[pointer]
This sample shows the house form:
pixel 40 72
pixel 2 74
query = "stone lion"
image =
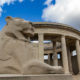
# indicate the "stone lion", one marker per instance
pixel 14 45
pixel 17 53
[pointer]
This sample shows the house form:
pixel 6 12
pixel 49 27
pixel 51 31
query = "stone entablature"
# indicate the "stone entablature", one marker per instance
pixel 57 29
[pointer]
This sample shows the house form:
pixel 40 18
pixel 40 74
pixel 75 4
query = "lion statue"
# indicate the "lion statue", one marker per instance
pixel 16 52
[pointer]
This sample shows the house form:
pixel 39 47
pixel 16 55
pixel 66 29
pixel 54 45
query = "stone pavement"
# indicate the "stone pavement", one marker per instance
pixel 76 77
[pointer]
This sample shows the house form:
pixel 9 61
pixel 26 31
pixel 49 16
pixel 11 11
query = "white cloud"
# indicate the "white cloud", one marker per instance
pixel 0 11
pixel 8 2
pixel 2 2
pixel 48 2
pixel 64 11
pixel 32 0
pixel 20 0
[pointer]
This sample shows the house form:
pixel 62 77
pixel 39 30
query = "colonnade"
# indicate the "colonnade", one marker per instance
pixel 65 57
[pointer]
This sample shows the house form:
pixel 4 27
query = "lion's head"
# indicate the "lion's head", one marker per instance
pixel 18 27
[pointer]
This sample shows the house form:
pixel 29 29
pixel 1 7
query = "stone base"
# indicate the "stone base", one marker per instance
pixel 37 77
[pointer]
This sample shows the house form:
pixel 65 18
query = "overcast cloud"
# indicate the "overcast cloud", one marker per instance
pixel 64 11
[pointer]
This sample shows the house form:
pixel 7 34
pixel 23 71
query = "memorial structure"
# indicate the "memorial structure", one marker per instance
pixel 21 58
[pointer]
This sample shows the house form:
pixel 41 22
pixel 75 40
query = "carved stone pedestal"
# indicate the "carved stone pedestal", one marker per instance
pixel 37 77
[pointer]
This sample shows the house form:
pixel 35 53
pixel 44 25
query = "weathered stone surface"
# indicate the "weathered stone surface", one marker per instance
pixel 38 67
pixel 14 56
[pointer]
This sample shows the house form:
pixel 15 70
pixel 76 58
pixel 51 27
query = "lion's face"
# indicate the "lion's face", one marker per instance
pixel 25 27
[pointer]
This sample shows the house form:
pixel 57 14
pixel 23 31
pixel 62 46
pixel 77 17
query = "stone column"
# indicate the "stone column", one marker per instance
pixel 55 58
pixel 78 53
pixel 41 47
pixel 49 58
pixel 69 61
pixel 64 55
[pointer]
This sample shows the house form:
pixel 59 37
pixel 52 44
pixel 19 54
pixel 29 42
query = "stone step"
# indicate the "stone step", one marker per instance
pixel 37 77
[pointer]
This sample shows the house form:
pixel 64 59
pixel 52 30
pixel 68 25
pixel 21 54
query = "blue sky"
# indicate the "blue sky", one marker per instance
pixel 60 11
pixel 28 10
